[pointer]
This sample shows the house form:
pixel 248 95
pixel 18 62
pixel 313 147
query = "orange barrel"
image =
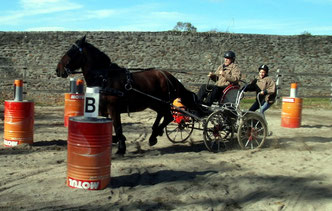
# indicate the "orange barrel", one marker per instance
pixel 291 112
pixel 89 152
pixel 18 123
pixel 74 106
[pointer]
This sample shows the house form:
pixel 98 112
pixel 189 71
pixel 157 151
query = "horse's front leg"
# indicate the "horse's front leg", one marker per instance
pixel 168 117
pixel 158 130
pixel 105 111
pixel 155 126
pixel 118 132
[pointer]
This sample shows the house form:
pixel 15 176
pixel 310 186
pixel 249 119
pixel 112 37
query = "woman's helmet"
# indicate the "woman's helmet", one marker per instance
pixel 229 55
pixel 264 67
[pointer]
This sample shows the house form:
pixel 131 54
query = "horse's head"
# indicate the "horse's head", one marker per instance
pixel 72 60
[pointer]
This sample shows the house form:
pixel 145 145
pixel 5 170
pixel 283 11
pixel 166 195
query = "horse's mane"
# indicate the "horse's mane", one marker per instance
pixel 99 57
pixel 101 60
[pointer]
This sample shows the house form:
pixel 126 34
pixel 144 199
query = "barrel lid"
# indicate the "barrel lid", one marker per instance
pixel 23 101
pixel 85 119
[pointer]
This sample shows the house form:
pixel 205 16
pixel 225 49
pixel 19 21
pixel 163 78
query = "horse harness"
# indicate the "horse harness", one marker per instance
pixel 129 87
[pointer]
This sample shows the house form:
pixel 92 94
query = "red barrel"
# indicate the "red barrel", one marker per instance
pixel 18 123
pixel 291 112
pixel 89 152
pixel 74 106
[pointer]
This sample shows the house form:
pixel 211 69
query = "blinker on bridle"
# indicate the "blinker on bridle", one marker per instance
pixel 68 71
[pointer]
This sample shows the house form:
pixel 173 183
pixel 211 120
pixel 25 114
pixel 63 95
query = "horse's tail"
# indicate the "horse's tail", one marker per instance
pixel 188 98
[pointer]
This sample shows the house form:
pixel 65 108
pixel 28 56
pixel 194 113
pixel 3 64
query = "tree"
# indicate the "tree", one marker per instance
pixel 184 26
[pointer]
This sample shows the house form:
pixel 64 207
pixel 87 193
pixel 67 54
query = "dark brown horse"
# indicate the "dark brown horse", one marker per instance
pixel 123 91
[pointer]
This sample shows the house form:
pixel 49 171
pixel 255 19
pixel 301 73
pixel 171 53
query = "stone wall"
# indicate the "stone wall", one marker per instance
pixel 190 56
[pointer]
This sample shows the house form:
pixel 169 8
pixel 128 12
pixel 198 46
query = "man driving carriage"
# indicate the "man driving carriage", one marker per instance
pixel 227 73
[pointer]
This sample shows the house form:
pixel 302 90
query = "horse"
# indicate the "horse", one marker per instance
pixel 123 91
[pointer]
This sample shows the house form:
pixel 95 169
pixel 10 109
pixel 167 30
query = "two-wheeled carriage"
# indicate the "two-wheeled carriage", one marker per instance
pixel 226 119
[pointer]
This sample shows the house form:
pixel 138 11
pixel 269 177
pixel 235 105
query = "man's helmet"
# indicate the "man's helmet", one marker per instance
pixel 229 55
pixel 264 67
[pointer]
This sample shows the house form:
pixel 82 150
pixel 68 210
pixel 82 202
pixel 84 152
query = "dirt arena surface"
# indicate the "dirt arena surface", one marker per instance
pixel 293 171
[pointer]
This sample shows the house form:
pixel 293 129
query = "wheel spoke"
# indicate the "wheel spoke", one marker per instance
pixel 175 135
pixel 252 144
pixel 212 143
pixel 173 130
pixel 260 130
pixel 257 141
pixel 248 141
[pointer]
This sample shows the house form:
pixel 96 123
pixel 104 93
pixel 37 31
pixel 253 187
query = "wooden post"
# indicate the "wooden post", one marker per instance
pixel 331 90
pixel 278 86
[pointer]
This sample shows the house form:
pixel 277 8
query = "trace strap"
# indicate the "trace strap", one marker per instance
pixel 129 87
pixel 153 97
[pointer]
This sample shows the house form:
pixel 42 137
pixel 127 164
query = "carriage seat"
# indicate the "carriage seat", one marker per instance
pixel 229 94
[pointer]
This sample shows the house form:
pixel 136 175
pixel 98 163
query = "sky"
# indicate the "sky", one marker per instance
pixel 275 17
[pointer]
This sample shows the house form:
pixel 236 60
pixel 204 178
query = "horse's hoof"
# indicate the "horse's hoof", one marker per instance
pixel 120 152
pixel 121 148
pixel 161 133
pixel 152 141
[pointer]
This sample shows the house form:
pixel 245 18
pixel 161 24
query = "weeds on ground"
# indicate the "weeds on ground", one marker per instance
pixel 313 103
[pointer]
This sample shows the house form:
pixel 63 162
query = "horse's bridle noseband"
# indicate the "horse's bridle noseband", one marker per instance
pixel 68 71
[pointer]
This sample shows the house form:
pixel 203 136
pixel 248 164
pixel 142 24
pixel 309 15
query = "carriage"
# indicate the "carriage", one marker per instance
pixel 225 122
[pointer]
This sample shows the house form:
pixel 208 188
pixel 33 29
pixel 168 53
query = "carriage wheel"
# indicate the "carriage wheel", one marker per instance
pixel 180 129
pixel 218 132
pixel 252 131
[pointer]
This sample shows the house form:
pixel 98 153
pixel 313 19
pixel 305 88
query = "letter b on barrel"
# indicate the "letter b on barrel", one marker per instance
pixel 91 102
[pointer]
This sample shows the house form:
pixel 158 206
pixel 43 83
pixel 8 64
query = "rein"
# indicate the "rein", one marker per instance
pixel 129 87
pixel 69 72
pixel 151 96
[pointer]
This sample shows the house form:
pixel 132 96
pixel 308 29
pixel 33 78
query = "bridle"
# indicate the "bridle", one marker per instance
pixel 68 71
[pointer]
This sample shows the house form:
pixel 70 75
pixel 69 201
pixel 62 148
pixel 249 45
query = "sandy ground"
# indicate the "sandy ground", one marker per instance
pixel 293 171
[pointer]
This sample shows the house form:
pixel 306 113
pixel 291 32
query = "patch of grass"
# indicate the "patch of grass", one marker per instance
pixel 317 103
pixel 322 103
pixel 246 103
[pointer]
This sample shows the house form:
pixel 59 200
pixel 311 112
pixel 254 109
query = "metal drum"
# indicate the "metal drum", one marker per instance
pixel 291 112
pixel 89 152
pixel 18 123
pixel 74 106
